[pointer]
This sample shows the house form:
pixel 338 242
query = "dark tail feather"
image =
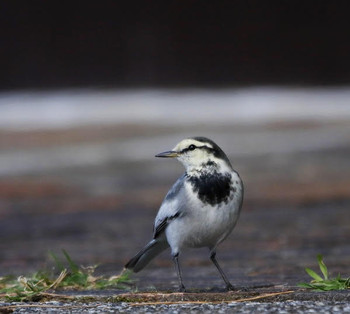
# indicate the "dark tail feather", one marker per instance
pixel 142 258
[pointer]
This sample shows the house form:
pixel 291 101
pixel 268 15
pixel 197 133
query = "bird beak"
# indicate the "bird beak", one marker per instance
pixel 168 154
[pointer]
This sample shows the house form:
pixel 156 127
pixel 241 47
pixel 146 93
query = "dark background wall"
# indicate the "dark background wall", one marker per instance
pixel 173 43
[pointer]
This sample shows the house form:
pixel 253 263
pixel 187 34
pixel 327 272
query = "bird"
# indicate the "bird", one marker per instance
pixel 200 210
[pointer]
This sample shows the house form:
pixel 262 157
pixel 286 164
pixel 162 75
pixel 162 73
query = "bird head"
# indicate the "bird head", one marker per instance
pixel 198 152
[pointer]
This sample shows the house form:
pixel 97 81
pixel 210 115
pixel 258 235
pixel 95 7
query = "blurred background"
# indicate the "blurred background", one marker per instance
pixel 90 92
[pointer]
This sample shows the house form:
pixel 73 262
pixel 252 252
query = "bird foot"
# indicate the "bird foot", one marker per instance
pixel 229 287
pixel 182 288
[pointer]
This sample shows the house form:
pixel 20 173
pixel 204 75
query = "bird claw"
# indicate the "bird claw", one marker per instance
pixel 229 287
pixel 182 288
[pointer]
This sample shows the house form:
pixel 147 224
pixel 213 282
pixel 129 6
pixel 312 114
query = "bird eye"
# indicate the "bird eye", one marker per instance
pixel 192 147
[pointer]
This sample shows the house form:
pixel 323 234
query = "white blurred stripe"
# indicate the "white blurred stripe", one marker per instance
pixel 70 108
pixel 142 149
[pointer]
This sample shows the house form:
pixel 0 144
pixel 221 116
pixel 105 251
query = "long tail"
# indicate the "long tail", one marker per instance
pixel 150 251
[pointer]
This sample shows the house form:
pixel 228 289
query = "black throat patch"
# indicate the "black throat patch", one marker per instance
pixel 212 187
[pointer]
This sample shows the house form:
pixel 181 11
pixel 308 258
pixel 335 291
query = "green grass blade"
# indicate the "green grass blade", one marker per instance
pixel 305 285
pixel 326 284
pixel 57 261
pixel 347 283
pixel 73 266
pixel 314 275
pixel 32 288
pixel 323 267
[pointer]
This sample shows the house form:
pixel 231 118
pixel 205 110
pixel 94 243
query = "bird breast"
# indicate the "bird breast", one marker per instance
pixel 214 204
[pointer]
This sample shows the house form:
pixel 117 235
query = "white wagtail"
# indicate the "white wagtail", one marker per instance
pixel 200 210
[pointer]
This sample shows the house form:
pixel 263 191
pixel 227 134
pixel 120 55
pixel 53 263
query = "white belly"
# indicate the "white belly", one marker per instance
pixel 204 225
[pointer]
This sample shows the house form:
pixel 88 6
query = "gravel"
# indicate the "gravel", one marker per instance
pixel 233 307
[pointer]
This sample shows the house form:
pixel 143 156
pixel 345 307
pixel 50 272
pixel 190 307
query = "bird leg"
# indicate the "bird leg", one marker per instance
pixel 177 267
pixel 215 262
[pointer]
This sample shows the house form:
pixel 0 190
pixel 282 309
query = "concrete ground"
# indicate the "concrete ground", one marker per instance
pixel 94 190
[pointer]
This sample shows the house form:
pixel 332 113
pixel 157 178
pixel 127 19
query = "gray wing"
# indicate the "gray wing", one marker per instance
pixel 172 207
